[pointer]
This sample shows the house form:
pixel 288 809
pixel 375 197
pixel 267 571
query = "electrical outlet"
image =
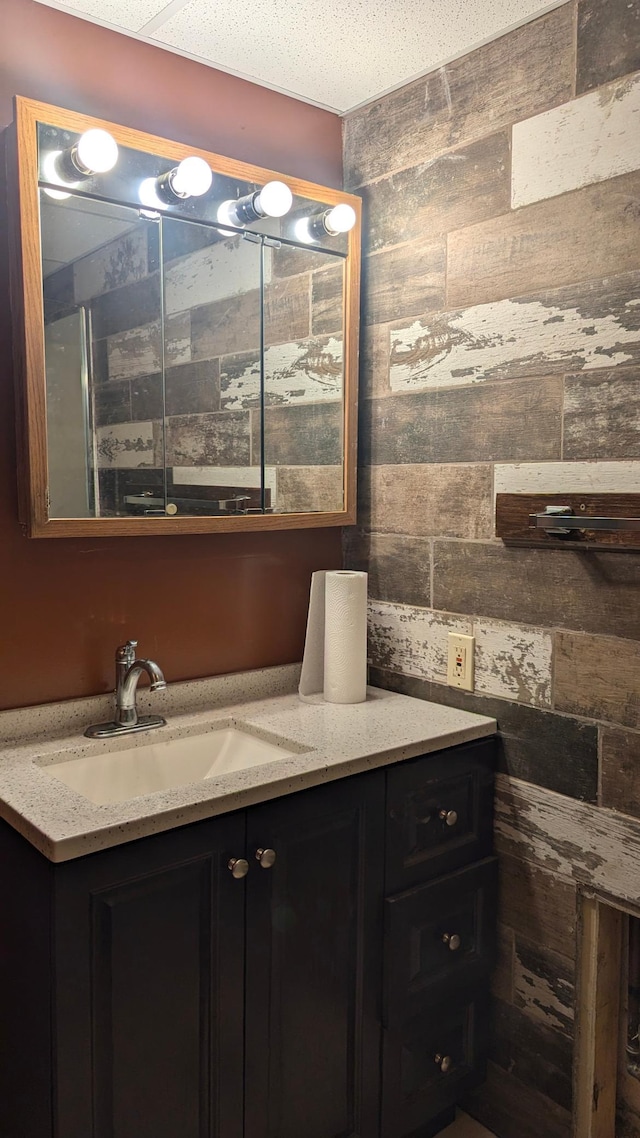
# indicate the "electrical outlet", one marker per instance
pixel 460 662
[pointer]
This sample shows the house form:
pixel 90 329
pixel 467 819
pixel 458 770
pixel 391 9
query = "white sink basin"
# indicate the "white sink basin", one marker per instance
pixel 117 776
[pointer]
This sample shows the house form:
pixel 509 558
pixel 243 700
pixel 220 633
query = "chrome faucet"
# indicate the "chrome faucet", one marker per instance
pixel 128 672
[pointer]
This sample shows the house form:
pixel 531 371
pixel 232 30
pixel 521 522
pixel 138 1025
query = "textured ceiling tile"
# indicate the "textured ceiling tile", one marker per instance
pixel 342 52
pixel 131 15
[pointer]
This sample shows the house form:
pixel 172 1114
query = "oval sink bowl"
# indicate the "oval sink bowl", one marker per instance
pixel 117 776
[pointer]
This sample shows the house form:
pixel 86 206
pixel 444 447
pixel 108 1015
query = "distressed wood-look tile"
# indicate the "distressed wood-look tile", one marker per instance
pixel 193 388
pixel 537 905
pixel 226 327
pixel 309 371
pixel 557 477
pixel 586 140
pixel 598 676
pixel 427 500
pixel 305 434
pixel 602 415
pixel 147 397
pixel 209 440
pixel 218 272
pixel 131 306
pixel 115 264
pixel 508 79
pixel 403 281
pixel 177 339
pixel 287 310
pixel 327 296
pixel 374 360
pixel 135 353
pixel 513 661
pixel 565 587
pixel 112 403
pixel 538 746
pixel 575 328
pixel 444 193
pixel 621 770
pixel 608 41
pixel 514 1110
pixel 398 566
pixel 544 985
pixel 126 444
pixel 516 420
pixel 589 233
pixel 412 640
pixel 536 1054
pixel 502 974
pixel 574 842
pixel 308 489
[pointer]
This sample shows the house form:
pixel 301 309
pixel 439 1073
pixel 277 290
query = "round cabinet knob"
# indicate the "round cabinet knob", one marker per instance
pixel 239 867
pixel 444 1062
pixel 452 940
pixel 266 857
pixel 448 816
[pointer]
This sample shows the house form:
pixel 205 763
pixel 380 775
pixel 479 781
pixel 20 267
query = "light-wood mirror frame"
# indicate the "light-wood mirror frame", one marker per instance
pixel 28 314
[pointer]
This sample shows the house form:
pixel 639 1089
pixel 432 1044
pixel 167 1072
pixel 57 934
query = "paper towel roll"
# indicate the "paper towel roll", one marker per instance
pixel 345 637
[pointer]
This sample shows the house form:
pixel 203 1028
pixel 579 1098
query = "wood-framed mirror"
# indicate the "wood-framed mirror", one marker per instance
pixel 187 354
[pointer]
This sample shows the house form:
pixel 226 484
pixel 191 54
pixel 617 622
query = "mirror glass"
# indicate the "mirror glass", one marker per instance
pixel 191 369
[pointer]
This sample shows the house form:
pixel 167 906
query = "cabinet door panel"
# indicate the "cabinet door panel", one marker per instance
pixel 149 989
pixel 313 964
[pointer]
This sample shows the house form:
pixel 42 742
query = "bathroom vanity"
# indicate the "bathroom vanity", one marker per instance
pixel 302 952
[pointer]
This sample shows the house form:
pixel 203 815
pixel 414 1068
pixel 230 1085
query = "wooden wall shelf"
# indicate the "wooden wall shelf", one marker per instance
pixel 513 522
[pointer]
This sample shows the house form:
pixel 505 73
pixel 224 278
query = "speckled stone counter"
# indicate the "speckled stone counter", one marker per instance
pixel 330 741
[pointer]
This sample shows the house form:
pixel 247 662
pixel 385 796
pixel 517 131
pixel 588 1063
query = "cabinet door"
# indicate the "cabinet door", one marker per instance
pixel 148 1010
pixel 314 934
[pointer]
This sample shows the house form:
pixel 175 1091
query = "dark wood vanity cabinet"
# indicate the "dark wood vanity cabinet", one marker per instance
pixel 336 992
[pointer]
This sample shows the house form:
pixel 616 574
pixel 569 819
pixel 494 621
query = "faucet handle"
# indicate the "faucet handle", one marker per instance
pixel 127 652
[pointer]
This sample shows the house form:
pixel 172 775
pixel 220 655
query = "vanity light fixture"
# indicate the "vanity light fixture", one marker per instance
pixel 339 219
pixel 273 200
pixel 190 179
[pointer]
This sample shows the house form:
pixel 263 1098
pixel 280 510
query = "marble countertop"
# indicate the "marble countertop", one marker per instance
pixel 332 741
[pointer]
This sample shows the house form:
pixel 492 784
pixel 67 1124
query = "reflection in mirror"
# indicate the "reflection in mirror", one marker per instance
pixel 304 379
pixel 102 307
pixel 212 306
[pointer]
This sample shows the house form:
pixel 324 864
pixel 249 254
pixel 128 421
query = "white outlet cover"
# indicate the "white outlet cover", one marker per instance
pixel 461 647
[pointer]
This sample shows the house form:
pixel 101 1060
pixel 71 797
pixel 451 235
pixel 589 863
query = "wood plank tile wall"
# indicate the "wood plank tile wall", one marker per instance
pixel 501 348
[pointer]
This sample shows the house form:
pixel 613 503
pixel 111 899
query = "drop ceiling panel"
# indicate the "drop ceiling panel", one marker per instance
pixel 338 54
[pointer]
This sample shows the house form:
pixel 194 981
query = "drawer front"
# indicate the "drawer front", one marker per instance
pixel 439 814
pixel 437 935
pixel 431 1062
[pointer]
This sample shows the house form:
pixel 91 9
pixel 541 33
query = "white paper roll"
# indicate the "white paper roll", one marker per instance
pixel 345 637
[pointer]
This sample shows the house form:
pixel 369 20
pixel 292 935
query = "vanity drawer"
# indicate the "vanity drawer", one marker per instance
pixel 431 1062
pixel 439 814
pixel 437 935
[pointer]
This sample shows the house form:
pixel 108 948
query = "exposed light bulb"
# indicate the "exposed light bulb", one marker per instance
pixel 340 219
pixel 302 231
pixel 226 216
pixel 274 200
pixel 49 169
pixel 96 152
pixel 148 194
pixel 192 178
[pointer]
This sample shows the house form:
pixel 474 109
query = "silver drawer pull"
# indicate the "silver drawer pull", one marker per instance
pixel 238 866
pixel 266 857
pixel 444 1062
pixel 452 940
pixel 450 817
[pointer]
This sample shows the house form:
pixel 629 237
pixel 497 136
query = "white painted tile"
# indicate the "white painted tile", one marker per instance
pixel 230 268
pixel 134 353
pixel 412 640
pixel 248 476
pixel 570 477
pixel 125 444
pixel 512 338
pixel 513 661
pixel 309 371
pixel 587 140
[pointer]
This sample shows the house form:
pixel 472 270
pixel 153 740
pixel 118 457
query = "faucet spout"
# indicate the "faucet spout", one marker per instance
pixel 128 672
pixel 127 695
